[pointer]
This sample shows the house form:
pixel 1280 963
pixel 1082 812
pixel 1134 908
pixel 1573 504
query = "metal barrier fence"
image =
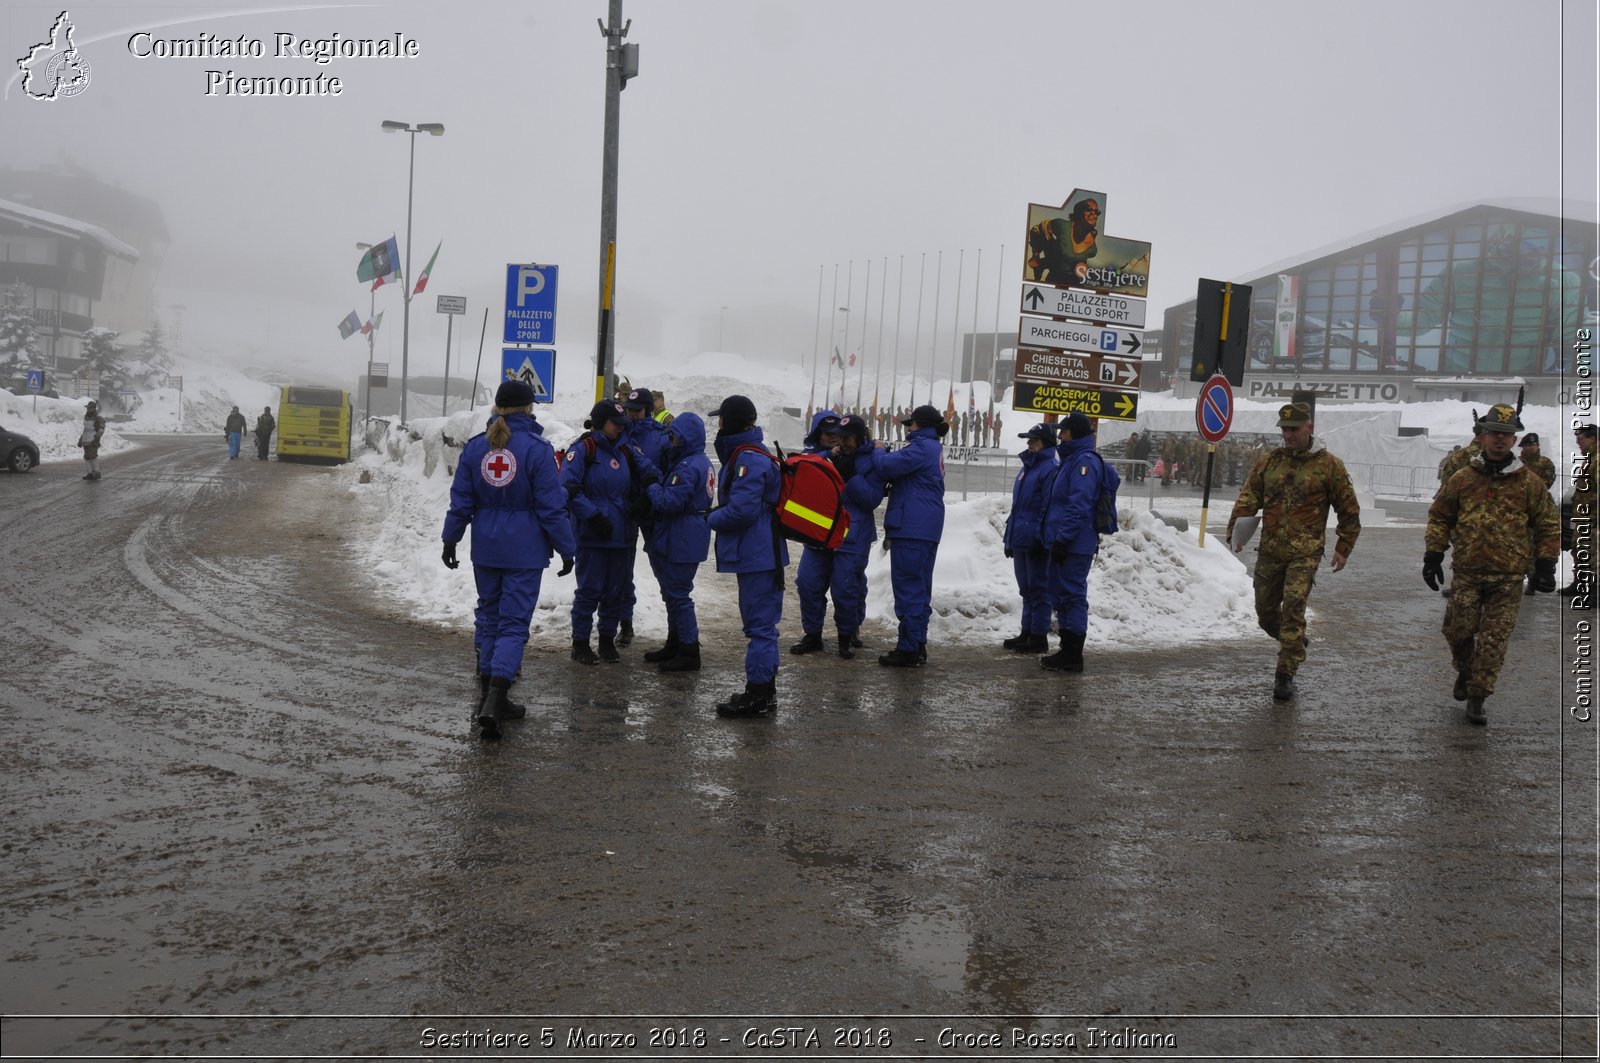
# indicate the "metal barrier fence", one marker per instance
pixel 983 470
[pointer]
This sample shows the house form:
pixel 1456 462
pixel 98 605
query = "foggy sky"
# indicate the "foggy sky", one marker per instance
pixel 765 139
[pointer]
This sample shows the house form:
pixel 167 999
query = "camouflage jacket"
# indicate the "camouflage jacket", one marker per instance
pixel 1294 491
pixel 1544 468
pixel 1455 461
pixel 1487 517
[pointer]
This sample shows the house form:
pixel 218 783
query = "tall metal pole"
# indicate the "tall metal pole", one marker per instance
pixel 405 283
pixel 449 323
pixel 614 29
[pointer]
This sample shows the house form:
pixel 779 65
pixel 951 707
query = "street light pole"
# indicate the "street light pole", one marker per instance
pixel 432 129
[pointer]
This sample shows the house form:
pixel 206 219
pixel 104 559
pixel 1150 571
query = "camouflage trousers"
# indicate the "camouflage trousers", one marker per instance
pixel 1477 625
pixel 1282 587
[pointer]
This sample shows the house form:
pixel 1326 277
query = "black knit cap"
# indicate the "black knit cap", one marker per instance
pixel 736 409
pixel 513 393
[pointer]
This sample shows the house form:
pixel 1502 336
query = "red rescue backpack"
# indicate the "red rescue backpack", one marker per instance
pixel 810 507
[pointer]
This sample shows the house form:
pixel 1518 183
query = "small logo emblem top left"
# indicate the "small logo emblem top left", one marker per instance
pixel 54 69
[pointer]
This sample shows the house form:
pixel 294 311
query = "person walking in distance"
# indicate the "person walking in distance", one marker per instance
pixel 1294 487
pixel 1030 557
pixel 94 430
pixel 233 431
pixel 749 546
pixel 265 424
pixel 678 538
pixel 1545 469
pixel 1493 514
pixel 913 524
pixel 508 490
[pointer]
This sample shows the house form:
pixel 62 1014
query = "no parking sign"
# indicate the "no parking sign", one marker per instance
pixel 1213 411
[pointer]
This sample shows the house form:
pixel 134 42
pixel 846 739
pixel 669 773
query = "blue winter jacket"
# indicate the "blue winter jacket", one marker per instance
pixel 863 491
pixel 914 475
pixel 747 490
pixel 680 502
pixel 651 439
pixel 812 445
pixel 1069 510
pixel 519 523
pixel 605 483
pixel 1029 495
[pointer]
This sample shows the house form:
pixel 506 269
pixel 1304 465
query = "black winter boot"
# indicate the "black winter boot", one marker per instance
pixel 809 644
pixel 846 650
pixel 1460 690
pixel 666 652
pixel 1069 658
pixel 687 659
pixel 624 635
pixel 758 699
pixel 512 710
pixel 493 709
pixel 1475 711
pixel 582 653
pixel 608 650
pixel 1037 644
pixel 1017 642
pixel 898 658
pixel 1282 686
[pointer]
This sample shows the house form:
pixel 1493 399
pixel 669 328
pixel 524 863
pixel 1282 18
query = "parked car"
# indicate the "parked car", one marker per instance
pixel 17 452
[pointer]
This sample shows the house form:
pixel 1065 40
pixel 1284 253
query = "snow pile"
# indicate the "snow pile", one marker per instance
pixel 55 427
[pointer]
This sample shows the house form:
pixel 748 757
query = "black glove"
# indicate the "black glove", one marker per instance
pixel 1009 554
pixel 1433 569
pixel 449 556
pixel 600 526
pixel 650 476
pixel 566 566
pixel 1058 551
pixel 639 508
pixel 1544 576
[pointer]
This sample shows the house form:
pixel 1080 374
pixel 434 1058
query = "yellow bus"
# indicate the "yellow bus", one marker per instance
pixel 314 425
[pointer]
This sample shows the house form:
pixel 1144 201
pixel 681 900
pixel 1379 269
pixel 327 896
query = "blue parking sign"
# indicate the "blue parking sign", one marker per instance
pixel 530 304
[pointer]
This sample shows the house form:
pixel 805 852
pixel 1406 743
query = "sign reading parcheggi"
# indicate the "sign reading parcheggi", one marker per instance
pixel 1038 396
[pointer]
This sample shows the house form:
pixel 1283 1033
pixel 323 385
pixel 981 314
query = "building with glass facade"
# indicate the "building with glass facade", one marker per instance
pixel 1469 303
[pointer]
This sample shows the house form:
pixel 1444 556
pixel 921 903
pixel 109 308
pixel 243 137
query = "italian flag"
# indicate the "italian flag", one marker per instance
pixel 422 281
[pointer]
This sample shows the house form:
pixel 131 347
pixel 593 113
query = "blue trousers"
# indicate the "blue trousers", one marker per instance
pixel 233 444
pixel 1033 583
pixel 1069 592
pixel 506 597
pixel 630 596
pixel 911 575
pixel 761 609
pixel 602 581
pixel 677 594
pixel 850 589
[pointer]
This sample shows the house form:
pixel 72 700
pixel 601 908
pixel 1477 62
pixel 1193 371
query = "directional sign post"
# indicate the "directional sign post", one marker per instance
pixel 1086 306
pixel 530 304
pixel 1045 396
pixel 1094 369
pixel 1213 416
pixel 535 368
pixel 1074 336
pixel 450 305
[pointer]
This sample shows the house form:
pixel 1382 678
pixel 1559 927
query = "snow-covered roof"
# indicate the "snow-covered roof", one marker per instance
pixel 67 226
pixel 1569 210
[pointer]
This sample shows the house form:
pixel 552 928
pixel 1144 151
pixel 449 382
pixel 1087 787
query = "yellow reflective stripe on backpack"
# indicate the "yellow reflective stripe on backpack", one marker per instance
pixel 811 515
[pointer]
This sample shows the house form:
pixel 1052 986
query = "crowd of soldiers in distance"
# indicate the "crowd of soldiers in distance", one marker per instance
pixel 1177 458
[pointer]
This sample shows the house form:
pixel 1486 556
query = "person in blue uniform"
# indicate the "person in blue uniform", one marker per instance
pixel 678 538
pixel 913 523
pixel 651 440
pixel 507 488
pixel 602 474
pixel 1068 532
pixel 856 459
pixel 750 546
pixel 814 574
pixel 1030 559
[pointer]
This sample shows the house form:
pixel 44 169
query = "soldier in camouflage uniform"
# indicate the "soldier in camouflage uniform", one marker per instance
pixel 1294 487
pixel 1545 469
pixel 1454 462
pixel 1489 513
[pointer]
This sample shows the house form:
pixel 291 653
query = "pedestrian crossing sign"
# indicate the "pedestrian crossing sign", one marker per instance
pixel 535 367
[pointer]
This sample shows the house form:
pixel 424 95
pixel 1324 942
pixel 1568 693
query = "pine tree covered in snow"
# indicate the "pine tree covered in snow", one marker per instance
pixel 103 359
pixel 153 348
pixel 19 338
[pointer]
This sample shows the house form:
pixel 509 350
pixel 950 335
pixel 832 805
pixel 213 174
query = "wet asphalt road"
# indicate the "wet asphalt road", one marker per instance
pixel 236 785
